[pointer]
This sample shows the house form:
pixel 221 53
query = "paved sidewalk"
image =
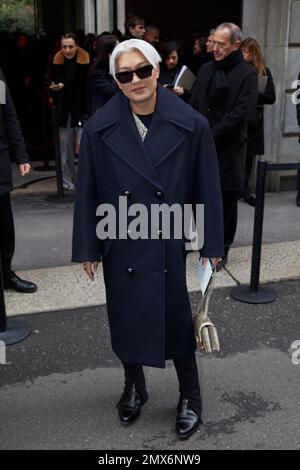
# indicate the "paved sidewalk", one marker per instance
pixel 61 386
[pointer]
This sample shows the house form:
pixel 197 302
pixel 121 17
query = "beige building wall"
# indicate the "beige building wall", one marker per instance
pixel 276 25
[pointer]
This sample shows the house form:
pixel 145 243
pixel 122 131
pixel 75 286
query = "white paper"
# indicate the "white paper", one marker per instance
pixel 185 79
pixel 183 69
pixel 204 275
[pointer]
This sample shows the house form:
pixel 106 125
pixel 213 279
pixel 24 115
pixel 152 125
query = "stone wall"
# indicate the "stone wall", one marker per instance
pixel 276 25
pixel 104 20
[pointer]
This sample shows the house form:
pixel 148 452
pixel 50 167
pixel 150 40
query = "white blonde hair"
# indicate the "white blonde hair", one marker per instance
pixel 148 51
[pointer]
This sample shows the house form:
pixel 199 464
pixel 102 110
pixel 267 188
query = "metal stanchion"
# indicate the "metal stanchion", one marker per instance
pixel 46 166
pixel 60 197
pixel 257 294
pixel 12 331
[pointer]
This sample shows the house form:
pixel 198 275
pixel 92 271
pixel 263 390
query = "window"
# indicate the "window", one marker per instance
pixel 17 15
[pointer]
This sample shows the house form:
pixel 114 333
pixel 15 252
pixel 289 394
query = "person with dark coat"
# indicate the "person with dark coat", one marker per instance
pixel 68 84
pixel 12 147
pixel 256 139
pixel 101 85
pixel 200 56
pixel 135 27
pixel 172 62
pixel 145 147
pixel 226 92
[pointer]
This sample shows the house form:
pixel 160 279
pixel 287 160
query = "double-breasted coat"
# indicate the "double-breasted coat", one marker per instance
pixel 229 118
pixel 147 298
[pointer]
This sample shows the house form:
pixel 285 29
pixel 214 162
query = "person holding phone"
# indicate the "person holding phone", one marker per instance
pixel 68 83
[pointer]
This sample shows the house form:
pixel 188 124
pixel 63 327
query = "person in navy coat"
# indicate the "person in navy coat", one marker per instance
pixel 148 147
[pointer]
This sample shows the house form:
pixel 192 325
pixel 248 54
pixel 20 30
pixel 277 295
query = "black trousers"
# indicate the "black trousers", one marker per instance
pixel 187 373
pixel 230 215
pixel 7 234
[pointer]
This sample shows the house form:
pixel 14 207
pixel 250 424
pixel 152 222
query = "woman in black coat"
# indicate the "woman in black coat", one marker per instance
pixel 68 82
pixel 256 141
pixel 101 84
pixel 171 67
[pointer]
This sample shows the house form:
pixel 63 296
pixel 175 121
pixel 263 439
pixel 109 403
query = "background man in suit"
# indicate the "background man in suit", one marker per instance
pixel 226 92
pixel 11 146
pixel 152 148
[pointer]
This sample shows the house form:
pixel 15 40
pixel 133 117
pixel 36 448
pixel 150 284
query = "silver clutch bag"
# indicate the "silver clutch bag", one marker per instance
pixel 205 331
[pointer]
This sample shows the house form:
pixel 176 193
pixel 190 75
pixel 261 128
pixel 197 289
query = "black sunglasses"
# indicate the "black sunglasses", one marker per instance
pixel 142 72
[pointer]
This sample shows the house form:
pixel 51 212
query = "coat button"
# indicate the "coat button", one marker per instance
pixel 160 234
pixel 128 194
pixel 166 272
pixel 208 109
pixel 130 272
pixel 159 195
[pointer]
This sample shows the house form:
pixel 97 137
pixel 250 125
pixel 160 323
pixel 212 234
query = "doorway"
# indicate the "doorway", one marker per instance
pixel 179 20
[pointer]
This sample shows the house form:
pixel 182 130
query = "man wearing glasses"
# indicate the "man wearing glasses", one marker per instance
pixel 149 148
pixel 226 93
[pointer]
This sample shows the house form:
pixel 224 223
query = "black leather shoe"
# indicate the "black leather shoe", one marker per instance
pixel 130 406
pixel 19 285
pixel 187 421
pixel 251 200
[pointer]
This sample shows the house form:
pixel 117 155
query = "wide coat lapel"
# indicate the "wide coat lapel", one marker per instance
pixel 168 130
pixel 166 134
pixel 120 134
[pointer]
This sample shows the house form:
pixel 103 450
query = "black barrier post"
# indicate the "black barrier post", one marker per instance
pixel 46 166
pixel 257 294
pixel 60 197
pixel 12 331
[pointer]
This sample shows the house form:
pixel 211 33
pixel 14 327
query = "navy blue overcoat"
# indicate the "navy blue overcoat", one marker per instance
pixel 147 299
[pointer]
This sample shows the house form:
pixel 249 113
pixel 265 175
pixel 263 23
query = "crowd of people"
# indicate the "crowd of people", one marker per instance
pixel 126 94
pixel 52 69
